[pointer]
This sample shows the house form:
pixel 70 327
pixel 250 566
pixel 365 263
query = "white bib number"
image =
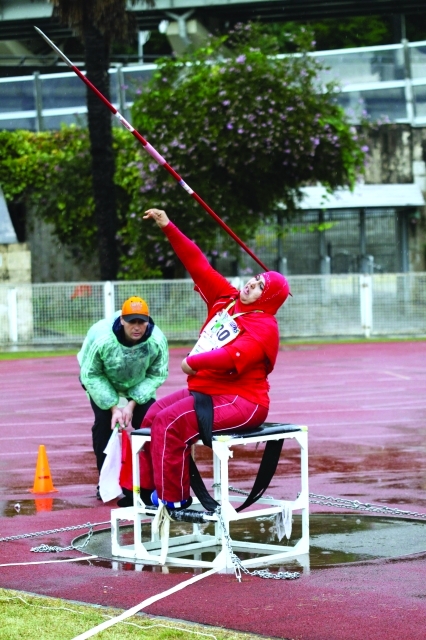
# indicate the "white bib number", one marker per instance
pixel 221 330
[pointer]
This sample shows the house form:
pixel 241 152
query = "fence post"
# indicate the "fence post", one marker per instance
pixel 121 89
pixel 38 98
pixel 325 266
pixel 109 299
pixel 366 303
pixel 409 93
pixel 282 266
pixel 12 314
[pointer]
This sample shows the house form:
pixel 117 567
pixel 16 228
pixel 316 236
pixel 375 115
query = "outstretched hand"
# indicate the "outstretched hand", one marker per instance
pixel 158 215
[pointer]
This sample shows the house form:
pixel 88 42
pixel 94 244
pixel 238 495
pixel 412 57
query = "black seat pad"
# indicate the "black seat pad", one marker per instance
pixel 266 429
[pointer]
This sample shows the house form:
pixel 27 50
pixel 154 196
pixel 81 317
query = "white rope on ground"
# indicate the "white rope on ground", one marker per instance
pixel 24 564
pixel 143 604
pixel 128 624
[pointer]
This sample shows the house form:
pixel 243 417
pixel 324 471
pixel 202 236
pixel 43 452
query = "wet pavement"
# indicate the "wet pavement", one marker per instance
pixel 365 405
pixel 334 540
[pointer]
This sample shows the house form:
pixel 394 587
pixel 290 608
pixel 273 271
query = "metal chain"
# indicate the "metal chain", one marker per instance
pixel 43 548
pixel 345 503
pixel 239 567
pixel 242 492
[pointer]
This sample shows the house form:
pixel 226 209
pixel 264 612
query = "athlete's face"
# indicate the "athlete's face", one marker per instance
pixel 134 330
pixel 252 290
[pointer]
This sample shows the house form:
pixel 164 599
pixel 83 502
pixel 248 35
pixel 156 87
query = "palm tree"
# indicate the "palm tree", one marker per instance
pixel 99 23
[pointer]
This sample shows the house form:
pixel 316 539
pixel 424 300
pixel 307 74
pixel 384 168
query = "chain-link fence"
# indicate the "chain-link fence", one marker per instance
pixel 330 306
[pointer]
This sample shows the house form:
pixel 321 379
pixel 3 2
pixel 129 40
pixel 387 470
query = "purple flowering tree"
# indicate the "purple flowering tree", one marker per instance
pixel 245 128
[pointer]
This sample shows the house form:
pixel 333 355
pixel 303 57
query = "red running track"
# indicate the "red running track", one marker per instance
pixel 365 405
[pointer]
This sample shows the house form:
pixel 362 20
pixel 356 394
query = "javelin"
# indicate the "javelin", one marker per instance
pixel 150 149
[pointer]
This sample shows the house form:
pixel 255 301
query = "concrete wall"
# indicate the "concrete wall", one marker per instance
pixel 16 313
pixel 398 155
pixel 51 261
pixel 16 303
pixel 391 155
pixel 15 263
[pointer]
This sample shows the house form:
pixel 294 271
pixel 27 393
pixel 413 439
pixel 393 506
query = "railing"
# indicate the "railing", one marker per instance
pixel 331 306
pixel 44 101
pixel 386 82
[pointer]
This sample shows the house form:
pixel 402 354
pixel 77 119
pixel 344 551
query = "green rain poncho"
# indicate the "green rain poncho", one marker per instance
pixel 108 369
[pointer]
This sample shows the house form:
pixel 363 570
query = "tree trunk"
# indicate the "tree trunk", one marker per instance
pixel 103 165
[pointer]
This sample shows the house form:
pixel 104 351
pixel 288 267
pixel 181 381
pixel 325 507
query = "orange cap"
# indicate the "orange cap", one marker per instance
pixel 135 309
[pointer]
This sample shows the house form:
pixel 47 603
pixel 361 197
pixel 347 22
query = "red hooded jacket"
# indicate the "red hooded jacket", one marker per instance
pixel 252 355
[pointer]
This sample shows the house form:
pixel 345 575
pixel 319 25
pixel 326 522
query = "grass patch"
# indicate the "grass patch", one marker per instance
pixel 40 618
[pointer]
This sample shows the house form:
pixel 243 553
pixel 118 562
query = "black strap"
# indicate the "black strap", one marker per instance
pixel 267 468
pixel 199 488
pixel 203 405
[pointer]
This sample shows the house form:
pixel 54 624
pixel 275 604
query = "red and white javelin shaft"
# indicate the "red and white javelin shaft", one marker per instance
pixel 150 149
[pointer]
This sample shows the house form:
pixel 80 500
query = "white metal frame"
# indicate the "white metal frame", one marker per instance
pixel 195 543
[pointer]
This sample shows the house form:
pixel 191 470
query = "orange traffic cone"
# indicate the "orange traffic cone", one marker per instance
pixel 42 479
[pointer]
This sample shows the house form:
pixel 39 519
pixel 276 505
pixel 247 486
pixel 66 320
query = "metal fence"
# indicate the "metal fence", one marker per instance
pixel 331 306
pixel 384 82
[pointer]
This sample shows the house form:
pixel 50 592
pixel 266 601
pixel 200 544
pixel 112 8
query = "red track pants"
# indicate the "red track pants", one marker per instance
pixel 173 422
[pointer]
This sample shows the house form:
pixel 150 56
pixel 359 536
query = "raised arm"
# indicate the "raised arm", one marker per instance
pixel 187 251
pixel 210 283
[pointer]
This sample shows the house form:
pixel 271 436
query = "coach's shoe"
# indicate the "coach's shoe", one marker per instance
pixel 127 500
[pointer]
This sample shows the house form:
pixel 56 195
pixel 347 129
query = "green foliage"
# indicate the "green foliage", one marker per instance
pixel 357 31
pixel 52 171
pixel 243 127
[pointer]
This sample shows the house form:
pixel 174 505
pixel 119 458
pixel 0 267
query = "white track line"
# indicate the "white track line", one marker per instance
pixel 56 436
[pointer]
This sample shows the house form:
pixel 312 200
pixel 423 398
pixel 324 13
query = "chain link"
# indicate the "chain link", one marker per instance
pixel 244 493
pixel 345 503
pixel 44 548
pixel 238 565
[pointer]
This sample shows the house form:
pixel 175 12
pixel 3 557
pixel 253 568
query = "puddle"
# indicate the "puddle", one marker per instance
pixel 334 540
pixel 10 509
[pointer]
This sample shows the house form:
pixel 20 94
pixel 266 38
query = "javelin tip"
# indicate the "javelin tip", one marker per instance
pixel 54 47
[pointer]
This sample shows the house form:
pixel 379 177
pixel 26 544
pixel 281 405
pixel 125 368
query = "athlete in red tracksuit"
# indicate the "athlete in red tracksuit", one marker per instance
pixel 234 375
